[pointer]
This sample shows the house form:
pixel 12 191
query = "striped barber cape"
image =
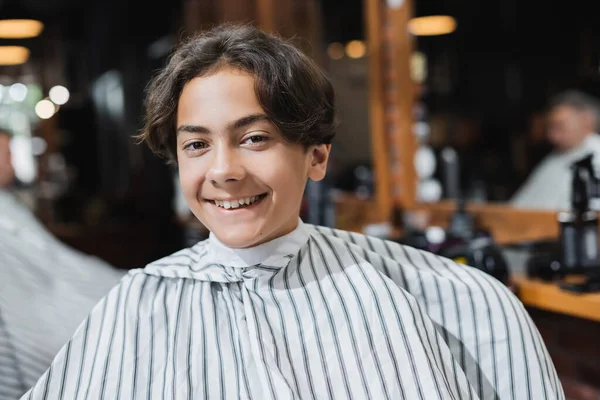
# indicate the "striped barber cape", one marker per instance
pixel 316 314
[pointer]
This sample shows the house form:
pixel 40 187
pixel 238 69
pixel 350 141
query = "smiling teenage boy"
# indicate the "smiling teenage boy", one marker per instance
pixel 269 307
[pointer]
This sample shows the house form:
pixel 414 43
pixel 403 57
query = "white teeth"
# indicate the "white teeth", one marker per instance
pixel 236 203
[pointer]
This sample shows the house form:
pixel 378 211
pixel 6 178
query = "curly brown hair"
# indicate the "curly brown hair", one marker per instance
pixel 294 92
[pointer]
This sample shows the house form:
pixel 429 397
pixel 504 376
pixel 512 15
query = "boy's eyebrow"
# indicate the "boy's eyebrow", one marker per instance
pixel 233 125
pixel 247 120
pixel 192 129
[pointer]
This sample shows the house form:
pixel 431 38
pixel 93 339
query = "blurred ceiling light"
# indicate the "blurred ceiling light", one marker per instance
pixel 45 109
pixel 335 51
pixel 356 49
pixel 17 92
pixel 20 28
pixel 13 55
pixel 59 95
pixel 432 25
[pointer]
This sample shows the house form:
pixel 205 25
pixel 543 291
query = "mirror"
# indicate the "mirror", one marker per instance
pixel 484 100
pixel 480 93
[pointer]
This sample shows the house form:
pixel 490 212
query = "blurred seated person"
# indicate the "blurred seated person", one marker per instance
pixel 572 126
pixel 46 289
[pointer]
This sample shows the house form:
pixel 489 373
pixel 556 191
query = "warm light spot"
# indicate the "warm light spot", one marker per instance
pixel 20 28
pixel 335 51
pixel 13 55
pixel 432 25
pixel 356 49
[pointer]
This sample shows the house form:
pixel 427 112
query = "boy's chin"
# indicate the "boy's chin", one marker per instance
pixel 242 234
pixel 238 237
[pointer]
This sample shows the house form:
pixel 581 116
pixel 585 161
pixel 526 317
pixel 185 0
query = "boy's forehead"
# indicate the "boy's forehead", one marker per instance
pixel 226 84
pixel 226 73
pixel 224 95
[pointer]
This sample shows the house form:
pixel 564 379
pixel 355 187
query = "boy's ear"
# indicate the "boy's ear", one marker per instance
pixel 319 155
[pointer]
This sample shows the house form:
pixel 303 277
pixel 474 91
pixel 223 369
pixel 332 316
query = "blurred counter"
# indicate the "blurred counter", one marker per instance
pixel 549 297
pixel 569 324
pixel 507 224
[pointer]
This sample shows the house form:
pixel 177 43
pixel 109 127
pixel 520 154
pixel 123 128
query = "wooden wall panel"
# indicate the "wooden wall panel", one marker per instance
pixel 289 18
pixel 391 97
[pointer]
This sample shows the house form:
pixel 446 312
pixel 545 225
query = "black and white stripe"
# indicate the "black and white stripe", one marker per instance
pixel 327 315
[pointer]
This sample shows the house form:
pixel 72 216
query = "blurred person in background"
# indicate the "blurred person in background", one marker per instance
pixel 46 288
pixel 572 130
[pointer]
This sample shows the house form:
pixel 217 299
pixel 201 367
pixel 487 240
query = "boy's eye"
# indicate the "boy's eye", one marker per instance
pixel 256 139
pixel 195 146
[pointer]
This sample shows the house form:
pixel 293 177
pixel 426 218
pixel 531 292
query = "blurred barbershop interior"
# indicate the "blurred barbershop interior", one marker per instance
pixel 466 128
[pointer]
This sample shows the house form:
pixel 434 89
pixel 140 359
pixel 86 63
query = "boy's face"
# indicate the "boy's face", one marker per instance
pixel 239 177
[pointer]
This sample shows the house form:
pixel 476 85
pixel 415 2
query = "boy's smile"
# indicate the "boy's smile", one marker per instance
pixel 238 203
pixel 241 179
